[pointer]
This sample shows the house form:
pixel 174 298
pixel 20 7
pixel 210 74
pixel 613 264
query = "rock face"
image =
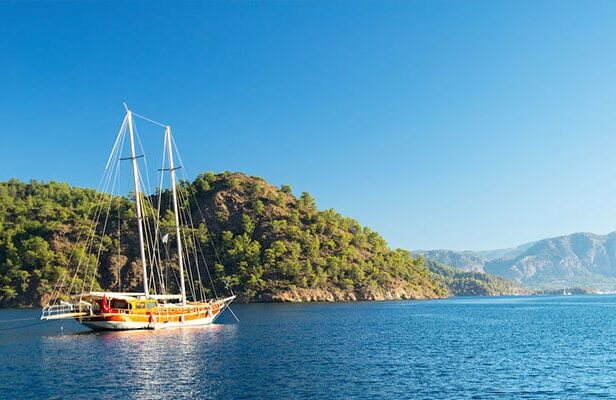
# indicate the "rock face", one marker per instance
pixel 577 260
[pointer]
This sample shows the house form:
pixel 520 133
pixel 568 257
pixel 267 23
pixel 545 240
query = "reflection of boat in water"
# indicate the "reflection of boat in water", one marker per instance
pixel 156 307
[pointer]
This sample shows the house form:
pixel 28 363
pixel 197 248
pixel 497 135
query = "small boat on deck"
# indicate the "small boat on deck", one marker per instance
pixel 156 307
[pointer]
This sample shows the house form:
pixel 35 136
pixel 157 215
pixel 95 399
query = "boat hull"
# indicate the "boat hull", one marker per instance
pixel 161 318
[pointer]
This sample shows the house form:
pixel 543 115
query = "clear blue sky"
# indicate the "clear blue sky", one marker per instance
pixel 456 124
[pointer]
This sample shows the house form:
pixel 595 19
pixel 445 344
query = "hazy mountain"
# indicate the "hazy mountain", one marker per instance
pixel 580 259
pixel 469 261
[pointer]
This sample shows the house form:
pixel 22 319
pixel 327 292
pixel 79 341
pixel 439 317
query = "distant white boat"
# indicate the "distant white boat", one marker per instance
pixel 566 292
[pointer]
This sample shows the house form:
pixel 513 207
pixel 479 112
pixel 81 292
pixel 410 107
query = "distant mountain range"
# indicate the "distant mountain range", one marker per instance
pixel 577 260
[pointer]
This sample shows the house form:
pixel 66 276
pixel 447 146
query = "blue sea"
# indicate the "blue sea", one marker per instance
pixel 536 347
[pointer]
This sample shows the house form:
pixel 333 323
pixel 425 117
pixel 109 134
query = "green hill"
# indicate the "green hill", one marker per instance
pixel 264 243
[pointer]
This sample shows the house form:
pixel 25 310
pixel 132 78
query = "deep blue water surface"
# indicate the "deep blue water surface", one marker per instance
pixel 475 348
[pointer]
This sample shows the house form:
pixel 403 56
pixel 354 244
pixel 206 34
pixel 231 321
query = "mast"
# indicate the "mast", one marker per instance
pixel 176 211
pixel 133 157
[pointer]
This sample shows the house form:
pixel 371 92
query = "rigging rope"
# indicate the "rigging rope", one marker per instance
pixel 149 120
pixel 103 187
pixel 209 236
pixel 88 257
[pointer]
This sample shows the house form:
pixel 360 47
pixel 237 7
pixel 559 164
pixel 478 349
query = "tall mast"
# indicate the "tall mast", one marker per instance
pixel 133 157
pixel 176 211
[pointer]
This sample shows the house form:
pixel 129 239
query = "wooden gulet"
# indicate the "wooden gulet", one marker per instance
pixel 100 310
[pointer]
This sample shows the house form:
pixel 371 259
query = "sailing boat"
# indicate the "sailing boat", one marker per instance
pixel 155 307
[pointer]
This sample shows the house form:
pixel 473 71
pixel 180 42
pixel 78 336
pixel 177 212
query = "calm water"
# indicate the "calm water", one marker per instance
pixel 482 348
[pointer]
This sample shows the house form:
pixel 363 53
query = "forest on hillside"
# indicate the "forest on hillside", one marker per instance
pixel 259 240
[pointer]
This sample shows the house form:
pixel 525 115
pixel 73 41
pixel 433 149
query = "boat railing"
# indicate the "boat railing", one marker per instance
pixel 63 310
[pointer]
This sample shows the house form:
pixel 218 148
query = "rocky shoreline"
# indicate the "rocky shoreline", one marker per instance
pixel 303 295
